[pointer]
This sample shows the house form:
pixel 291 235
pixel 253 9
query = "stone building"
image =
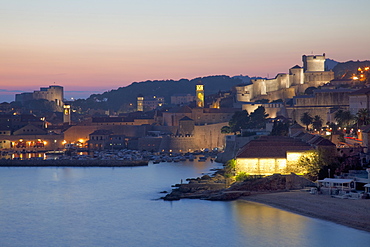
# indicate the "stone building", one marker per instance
pixel 180 139
pixel 284 86
pixel 269 155
pixel 324 103
pixel 277 154
pixel 359 99
pixel 106 139
pixel 180 99
pixel 52 93
pixel 201 116
pixel 148 103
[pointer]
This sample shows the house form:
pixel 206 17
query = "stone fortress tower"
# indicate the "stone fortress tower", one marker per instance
pixel 52 93
pixel 313 63
pixel 287 85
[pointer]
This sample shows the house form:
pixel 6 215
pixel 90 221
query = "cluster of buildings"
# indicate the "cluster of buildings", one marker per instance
pixel 192 123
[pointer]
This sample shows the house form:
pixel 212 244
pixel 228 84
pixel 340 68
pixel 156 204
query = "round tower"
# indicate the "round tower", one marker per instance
pixel 313 63
pixel 297 75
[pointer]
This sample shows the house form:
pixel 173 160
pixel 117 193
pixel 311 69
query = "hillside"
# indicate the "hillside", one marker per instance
pixel 347 69
pixel 118 98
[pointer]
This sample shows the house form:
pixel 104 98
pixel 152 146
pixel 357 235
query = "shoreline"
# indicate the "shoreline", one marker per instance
pixel 347 212
pixel 71 163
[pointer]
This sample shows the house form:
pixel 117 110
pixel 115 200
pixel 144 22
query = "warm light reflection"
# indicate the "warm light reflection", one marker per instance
pixel 275 223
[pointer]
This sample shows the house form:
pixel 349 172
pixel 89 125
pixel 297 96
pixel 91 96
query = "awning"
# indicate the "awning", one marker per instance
pixel 336 180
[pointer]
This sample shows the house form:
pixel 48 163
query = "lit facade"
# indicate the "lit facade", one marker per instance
pixel 200 95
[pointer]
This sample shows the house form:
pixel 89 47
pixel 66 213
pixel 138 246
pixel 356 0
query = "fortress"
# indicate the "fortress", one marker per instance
pixel 52 93
pixel 287 85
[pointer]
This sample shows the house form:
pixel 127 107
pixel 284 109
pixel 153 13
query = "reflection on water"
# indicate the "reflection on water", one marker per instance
pixel 274 224
pixel 278 227
pixel 22 155
pixel 114 207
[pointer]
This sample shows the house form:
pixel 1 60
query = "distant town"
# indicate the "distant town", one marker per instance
pixel 263 125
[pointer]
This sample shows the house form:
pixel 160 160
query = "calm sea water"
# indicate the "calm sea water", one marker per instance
pixel 118 207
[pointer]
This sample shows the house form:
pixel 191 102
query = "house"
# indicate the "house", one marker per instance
pixel 271 154
pixel 102 138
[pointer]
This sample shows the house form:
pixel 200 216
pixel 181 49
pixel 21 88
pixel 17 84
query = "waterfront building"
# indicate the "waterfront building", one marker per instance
pixel 270 154
pixel 106 139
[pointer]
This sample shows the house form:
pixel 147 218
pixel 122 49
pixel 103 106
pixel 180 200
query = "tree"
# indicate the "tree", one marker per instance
pixel 306 119
pixel 239 121
pixel 258 118
pixel 362 117
pixel 314 161
pixel 344 118
pixel 317 122
pixel 280 129
pixel 225 130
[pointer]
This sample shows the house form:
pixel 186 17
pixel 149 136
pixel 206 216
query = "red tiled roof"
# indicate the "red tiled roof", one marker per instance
pixel 272 147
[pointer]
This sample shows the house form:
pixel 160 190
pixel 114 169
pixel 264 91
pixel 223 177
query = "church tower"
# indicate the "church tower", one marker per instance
pixel 140 102
pixel 67 114
pixel 200 95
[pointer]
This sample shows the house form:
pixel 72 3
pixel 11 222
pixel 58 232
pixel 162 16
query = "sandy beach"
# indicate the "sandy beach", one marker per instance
pixel 352 213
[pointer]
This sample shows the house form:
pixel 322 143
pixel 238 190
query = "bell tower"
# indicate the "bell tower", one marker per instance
pixel 140 102
pixel 67 114
pixel 200 95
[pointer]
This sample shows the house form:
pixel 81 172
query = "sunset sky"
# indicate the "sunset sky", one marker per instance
pixel 91 46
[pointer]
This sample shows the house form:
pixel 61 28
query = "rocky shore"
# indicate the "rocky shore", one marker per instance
pixel 215 187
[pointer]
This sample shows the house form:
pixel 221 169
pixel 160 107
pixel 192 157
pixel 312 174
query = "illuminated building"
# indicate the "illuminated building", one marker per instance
pixel 270 154
pixel 287 85
pixel 200 95
pixel 51 93
pixel 277 154
pixel 148 103
pixel 140 104
pixel 67 114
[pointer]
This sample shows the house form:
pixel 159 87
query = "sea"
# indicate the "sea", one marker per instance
pixel 93 206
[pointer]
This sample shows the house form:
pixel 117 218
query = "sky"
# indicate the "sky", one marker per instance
pixel 92 46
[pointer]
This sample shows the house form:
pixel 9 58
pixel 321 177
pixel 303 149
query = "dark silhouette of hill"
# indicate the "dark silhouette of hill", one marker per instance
pixel 347 69
pixel 330 64
pixel 117 98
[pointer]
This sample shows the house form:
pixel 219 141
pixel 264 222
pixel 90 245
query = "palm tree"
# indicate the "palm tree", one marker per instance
pixel 344 118
pixel 362 117
pixel 306 119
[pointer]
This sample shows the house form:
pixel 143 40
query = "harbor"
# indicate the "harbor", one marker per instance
pixel 106 158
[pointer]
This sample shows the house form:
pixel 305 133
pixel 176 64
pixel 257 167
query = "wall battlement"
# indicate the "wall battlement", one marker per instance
pixel 312 74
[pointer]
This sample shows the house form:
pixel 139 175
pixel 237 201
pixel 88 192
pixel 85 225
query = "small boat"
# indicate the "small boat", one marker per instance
pixel 203 158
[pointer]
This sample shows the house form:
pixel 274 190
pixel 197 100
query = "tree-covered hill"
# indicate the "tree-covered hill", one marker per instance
pixel 118 98
pixel 347 69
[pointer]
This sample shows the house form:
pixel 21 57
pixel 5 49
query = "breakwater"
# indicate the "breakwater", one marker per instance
pixel 72 163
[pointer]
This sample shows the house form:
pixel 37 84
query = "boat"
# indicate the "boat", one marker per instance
pixel 202 158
